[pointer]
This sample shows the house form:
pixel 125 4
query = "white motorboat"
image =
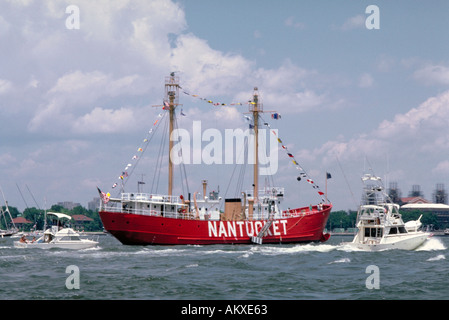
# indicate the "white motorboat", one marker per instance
pixel 380 225
pixel 57 237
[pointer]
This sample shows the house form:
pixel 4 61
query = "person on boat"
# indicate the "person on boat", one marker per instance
pixel 34 240
pixel 23 239
pixel 48 238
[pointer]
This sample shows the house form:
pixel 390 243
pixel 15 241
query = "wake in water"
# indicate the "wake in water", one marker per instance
pixel 343 260
pixel 437 258
pixel 432 244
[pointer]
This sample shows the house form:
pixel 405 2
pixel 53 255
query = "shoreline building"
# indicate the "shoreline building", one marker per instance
pixel 441 210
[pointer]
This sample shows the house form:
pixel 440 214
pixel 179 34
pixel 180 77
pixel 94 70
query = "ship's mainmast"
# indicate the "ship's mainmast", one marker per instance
pixel 255 107
pixel 171 96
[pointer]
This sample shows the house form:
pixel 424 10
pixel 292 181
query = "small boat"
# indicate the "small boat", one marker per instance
pixel 57 237
pixel 380 225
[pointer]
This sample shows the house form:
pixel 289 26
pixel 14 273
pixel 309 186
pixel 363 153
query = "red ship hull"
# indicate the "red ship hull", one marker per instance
pixel 135 229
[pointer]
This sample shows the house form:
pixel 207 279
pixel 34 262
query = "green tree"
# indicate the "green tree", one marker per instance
pixel 428 218
pixel 36 216
pixel 341 219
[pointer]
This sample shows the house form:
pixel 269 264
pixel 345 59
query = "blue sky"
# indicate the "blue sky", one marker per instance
pixel 75 104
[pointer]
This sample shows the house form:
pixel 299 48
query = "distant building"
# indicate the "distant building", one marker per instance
pixel 414 200
pixel 94 204
pixel 79 220
pixel 20 222
pixel 69 205
pixel 441 210
pixel 440 195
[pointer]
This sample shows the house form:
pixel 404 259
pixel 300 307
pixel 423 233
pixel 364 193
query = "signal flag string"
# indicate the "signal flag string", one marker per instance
pixel 302 172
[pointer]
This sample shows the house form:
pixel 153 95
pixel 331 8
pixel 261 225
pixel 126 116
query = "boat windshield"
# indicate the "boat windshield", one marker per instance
pixel 396 230
pixel 373 232
pixel 69 238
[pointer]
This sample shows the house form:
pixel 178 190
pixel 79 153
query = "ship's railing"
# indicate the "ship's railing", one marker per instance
pixel 182 214
pixel 149 197
pixel 145 212
pixel 271 193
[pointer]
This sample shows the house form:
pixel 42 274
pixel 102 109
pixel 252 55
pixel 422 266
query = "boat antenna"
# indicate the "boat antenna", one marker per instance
pixel 45 214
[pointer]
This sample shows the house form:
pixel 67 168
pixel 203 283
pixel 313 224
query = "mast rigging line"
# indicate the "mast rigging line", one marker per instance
pixel 141 150
pixel 303 173
pixel 157 170
pixel 182 167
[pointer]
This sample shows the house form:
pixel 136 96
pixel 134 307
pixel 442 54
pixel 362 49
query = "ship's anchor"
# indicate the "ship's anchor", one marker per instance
pixel 263 232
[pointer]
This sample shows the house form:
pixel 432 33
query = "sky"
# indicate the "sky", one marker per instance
pixel 76 100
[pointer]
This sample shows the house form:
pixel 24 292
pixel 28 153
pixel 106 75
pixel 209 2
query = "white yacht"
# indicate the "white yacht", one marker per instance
pixel 57 237
pixel 380 225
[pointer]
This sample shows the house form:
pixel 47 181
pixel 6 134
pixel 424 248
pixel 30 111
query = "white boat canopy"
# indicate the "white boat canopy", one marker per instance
pixel 60 215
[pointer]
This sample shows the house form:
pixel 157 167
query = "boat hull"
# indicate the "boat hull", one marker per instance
pixel 404 242
pixel 135 229
pixel 85 244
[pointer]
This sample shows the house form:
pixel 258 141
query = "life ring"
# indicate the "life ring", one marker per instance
pixel 153 212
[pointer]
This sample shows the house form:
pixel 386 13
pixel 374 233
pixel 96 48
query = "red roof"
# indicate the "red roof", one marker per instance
pixel 81 217
pixel 21 220
pixel 414 200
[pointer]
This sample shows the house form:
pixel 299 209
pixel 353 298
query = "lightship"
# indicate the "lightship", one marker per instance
pixel 255 217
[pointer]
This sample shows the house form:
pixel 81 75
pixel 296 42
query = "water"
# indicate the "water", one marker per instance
pixel 326 271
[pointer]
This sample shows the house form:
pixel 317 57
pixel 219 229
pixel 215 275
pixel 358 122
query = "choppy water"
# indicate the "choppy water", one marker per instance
pixel 237 272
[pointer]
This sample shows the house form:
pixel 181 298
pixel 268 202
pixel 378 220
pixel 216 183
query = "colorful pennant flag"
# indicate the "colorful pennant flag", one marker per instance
pixel 302 173
pixel 141 149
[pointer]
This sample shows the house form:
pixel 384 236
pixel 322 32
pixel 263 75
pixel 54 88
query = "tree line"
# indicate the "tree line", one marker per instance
pixel 345 220
pixel 37 217
pixel 337 219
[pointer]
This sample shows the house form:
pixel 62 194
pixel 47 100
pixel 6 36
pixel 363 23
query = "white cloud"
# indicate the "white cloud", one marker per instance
pixel 366 81
pixel 74 94
pixel 88 86
pixel 355 22
pixel 205 69
pixel 290 22
pixel 20 2
pixel 5 86
pixel 433 74
pixel 422 129
pixel 7 159
pixel 4 26
pixel 442 167
pixel 429 117
pixel 105 121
